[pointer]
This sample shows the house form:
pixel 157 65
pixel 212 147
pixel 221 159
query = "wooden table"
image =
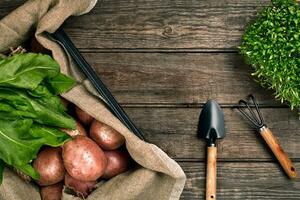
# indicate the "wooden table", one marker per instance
pixel 162 60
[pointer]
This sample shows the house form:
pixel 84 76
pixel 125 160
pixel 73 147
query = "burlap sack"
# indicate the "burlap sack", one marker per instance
pixel 159 177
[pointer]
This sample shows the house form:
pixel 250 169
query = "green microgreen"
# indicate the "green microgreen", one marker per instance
pixel 271 44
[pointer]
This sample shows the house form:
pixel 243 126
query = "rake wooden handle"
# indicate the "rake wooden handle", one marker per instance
pixel 211 173
pixel 281 156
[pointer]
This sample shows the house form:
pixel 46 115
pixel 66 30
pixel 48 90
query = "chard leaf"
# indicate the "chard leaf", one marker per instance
pixel 40 91
pixel 46 98
pixel 15 144
pixel 9 112
pixel 52 136
pixel 60 83
pixel 24 106
pixel 27 70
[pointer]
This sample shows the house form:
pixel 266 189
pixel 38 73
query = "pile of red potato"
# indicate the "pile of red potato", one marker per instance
pixel 93 155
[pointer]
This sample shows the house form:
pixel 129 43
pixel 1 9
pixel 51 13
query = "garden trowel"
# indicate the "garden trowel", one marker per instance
pixel 211 127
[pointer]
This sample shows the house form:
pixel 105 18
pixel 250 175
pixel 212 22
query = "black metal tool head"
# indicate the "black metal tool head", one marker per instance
pixel 211 122
pixel 251 111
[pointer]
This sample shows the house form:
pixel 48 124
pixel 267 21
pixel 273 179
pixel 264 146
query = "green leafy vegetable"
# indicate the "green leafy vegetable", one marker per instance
pixel 20 104
pixel 20 141
pixel 271 45
pixel 60 83
pixel 52 136
pixel 27 70
pixel 30 110
pixel 42 95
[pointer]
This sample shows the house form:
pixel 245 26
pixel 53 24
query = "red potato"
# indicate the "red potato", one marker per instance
pixel 78 131
pixel 50 166
pixel 52 192
pixel 84 160
pixel 83 117
pixel 118 162
pixel 81 188
pixel 105 136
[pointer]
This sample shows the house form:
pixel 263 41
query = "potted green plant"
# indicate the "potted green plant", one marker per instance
pixel 271 45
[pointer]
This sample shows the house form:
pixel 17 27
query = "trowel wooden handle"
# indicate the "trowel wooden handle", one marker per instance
pixel 281 156
pixel 211 173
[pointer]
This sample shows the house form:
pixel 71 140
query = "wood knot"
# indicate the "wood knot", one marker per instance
pixel 168 32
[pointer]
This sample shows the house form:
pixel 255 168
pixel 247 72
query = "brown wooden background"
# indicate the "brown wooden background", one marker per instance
pixel 163 59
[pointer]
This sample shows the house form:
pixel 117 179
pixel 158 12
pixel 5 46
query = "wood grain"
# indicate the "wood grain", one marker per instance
pixel 146 24
pixel 174 130
pixel 7 6
pixel 155 24
pixel 177 78
pixel 279 153
pixel 211 173
pixel 239 180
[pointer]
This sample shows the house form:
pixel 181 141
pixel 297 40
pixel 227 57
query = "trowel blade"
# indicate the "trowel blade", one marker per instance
pixel 211 121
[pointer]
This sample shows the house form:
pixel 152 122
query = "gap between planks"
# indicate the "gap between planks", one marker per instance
pixel 158 50
pixel 191 105
pixel 232 160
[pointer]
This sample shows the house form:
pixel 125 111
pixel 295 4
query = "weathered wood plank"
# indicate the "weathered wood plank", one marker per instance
pixel 174 130
pixel 242 181
pixel 177 78
pixel 7 6
pixel 157 24
pixel 144 24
